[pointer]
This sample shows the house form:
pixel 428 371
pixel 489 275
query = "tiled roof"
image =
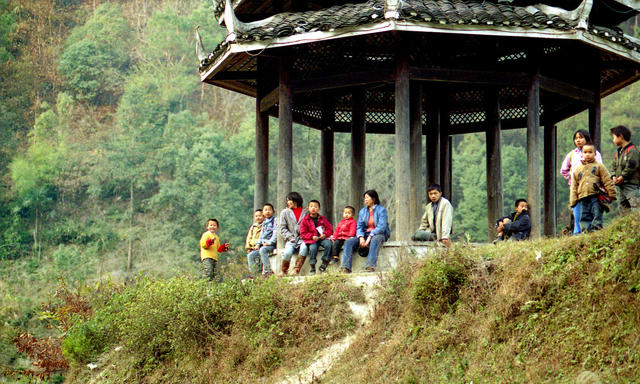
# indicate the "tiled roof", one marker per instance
pixel 431 13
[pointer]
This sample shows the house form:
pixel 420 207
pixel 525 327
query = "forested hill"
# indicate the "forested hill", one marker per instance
pixel 113 154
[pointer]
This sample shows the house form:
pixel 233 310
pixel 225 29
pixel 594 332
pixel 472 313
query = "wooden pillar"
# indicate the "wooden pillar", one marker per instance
pixel 285 134
pixel 417 190
pixel 358 148
pixel 550 169
pixel 446 143
pixel 595 121
pixel 402 149
pixel 494 161
pixel 261 180
pixel 533 153
pixel 435 117
pixel 327 158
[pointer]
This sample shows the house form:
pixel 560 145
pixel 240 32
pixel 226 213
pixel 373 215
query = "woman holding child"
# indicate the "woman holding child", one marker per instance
pixel 372 230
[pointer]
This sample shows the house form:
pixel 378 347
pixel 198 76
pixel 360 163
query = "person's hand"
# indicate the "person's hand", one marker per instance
pixel 223 247
pixel 209 242
pixel 315 238
pixel 619 180
pixel 362 242
pixel 446 242
pixel 256 247
pixel 506 220
pixel 366 243
pixel 322 237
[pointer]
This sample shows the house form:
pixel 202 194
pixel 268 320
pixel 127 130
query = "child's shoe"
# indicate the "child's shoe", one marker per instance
pixel 323 266
pixel 312 269
pixel 334 260
pixel 345 270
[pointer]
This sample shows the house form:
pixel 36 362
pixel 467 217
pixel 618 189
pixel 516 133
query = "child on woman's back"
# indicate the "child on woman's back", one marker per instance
pixel 346 229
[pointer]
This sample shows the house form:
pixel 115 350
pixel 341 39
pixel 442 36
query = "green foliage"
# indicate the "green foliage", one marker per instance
pixel 97 55
pixel 436 288
pixel 7 26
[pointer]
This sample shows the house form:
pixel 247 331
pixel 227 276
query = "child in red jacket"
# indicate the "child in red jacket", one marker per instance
pixel 346 229
pixel 315 231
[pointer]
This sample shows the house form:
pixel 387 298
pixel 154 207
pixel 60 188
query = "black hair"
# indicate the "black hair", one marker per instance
pixel 437 187
pixel 257 210
pixel 315 201
pixel 584 133
pixel 520 201
pixel 268 205
pixel 623 131
pixel 215 220
pixel 353 210
pixel 296 198
pixel 374 195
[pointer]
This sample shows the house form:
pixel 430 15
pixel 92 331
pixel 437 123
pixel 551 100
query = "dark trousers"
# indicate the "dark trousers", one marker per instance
pixel 209 269
pixel 336 247
pixel 591 216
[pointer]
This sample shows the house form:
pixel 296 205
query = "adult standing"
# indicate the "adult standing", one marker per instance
pixel 289 230
pixel 571 162
pixel 437 219
pixel 372 230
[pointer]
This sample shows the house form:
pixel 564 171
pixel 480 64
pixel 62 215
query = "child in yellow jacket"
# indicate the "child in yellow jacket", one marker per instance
pixel 584 190
pixel 209 248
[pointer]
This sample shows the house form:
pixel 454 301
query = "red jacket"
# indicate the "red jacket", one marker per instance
pixel 308 229
pixel 346 229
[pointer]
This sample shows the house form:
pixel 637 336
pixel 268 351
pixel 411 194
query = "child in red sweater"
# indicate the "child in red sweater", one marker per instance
pixel 346 229
pixel 315 231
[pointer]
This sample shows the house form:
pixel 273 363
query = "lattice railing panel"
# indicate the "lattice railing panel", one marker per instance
pixel 466 118
pixel 512 57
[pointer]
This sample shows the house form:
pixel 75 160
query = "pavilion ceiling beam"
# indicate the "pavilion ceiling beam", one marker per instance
pixel 469 76
pixel 235 75
pixel 354 79
pixel 565 89
pixel 270 99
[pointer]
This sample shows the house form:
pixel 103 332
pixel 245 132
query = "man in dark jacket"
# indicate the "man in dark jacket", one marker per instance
pixel 516 226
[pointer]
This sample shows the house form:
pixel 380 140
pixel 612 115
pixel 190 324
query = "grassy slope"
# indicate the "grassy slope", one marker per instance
pixel 538 312
pixel 516 319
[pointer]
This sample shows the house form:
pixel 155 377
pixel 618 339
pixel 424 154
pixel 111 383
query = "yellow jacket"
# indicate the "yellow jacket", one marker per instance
pixel 253 236
pixel 211 251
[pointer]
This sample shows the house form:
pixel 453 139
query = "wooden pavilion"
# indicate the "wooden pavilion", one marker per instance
pixel 422 67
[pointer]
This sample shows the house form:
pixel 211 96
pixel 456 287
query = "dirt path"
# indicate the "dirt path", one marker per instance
pixel 326 357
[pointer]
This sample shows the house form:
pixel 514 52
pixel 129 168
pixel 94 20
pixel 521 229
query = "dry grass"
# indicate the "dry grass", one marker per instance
pixel 517 319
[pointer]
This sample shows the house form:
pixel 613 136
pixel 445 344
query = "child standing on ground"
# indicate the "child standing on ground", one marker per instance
pixel 209 248
pixel 268 238
pixel 571 162
pixel 516 226
pixel 315 231
pixel 625 169
pixel 585 192
pixel 251 243
pixel 345 229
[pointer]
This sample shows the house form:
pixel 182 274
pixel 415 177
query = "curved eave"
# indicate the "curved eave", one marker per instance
pixel 393 25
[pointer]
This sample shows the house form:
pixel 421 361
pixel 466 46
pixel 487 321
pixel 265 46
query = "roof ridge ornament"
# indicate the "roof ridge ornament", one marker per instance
pixel 580 14
pixel 235 26
pixel 392 9
pixel 200 52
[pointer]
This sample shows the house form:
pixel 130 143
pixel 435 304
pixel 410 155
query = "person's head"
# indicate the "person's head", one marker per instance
pixel 267 210
pixel 314 207
pixel 581 137
pixel 371 198
pixel 589 152
pixel 294 200
pixel 258 217
pixel 212 225
pixel 434 191
pixel 521 205
pixel 620 135
pixel 348 212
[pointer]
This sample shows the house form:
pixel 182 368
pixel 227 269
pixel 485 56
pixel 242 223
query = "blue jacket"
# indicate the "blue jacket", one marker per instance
pixel 520 228
pixel 269 233
pixel 380 218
